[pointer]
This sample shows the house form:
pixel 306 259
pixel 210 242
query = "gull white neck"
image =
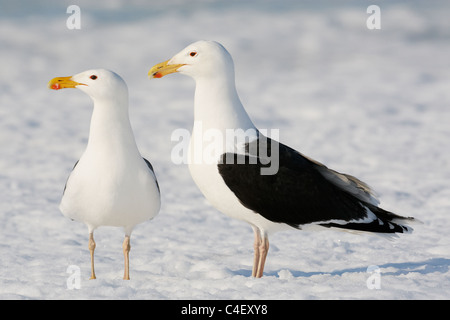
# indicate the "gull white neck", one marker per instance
pixel 110 129
pixel 221 123
pixel 217 105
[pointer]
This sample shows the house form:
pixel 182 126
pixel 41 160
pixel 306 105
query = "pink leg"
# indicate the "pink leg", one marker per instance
pixel 261 247
pixel 256 245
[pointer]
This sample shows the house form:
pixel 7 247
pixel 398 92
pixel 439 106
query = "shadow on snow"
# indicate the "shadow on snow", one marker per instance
pixel 424 267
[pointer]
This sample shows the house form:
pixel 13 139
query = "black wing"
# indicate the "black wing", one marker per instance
pixel 299 192
pixel 149 165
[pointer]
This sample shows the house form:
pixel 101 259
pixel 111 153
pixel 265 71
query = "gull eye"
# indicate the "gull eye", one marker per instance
pixel 93 77
pixel 193 53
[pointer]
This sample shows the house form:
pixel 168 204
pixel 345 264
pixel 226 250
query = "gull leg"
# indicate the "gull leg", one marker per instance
pixel 126 253
pixel 256 245
pixel 263 249
pixel 91 250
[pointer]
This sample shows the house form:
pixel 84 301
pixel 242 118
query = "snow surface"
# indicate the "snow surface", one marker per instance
pixel 371 103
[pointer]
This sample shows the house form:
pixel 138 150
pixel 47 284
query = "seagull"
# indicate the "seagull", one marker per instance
pixel 251 177
pixel 111 184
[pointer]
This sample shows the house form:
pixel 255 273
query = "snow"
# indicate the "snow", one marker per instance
pixel 371 103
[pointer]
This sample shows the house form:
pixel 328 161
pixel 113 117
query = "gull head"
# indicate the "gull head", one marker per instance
pixel 99 84
pixel 202 59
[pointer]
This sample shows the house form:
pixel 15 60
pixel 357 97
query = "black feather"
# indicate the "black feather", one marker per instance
pixel 298 193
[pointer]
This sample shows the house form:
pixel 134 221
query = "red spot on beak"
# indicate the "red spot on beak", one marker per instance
pixel 157 75
pixel 55 86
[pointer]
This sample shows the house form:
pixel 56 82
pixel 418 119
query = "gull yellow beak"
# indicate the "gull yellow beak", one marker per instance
pixel 63 82
pixel 161 69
